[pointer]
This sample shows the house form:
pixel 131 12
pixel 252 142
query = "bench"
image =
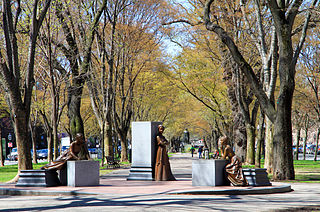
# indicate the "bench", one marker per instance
pixel 112 163
pixel 256 177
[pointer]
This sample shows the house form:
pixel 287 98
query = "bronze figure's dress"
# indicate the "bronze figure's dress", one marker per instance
pixel 162 166
pixel 234 168
pixel 234 172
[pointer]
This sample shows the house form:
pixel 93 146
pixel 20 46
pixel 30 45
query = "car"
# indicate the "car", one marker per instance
pixel 310 148
pixel 93 150
pixel 64 148
pixel 42 153
pixel 13 154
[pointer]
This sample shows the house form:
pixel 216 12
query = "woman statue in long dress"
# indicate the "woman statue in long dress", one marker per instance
pixel 77 151
pixel 234 168
pixel 162 166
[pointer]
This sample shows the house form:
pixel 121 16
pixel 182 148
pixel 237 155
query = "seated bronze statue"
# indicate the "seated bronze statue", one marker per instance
pixel 78 151
pixel 234 167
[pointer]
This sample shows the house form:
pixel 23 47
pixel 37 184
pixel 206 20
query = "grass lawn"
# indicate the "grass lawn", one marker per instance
pixel 307 171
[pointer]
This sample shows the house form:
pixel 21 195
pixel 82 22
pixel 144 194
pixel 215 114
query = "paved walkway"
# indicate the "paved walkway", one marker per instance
pixel 117 194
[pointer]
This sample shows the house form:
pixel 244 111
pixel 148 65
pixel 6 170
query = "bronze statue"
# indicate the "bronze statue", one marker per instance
pixel 234 168
pixel 162 166
pixel 78 151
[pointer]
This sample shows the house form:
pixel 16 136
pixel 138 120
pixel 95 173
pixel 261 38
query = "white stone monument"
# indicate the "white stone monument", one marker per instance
pixel 208 172
pixel 143 150
pixel 82 173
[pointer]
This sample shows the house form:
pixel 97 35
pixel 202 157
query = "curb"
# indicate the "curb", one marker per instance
pixel 251 190
pixel 23 192
pixel 247 191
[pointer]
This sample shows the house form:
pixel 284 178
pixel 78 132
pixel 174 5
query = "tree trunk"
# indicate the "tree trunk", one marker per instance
pixel 215 139
pixel 269 146
pixel 298 143
pixel 54 118
pixel 239 129
pixel 250 143
pixel 50 146
pixel 21 122
pixel 108 143
pixel 124 148
pixel 283 168
pixel 260 140
pixel 34 145
pixel 317 145
pixel 102 146
pixel 305 138
pixel 74 102
pixel 2 157
pixel 55 141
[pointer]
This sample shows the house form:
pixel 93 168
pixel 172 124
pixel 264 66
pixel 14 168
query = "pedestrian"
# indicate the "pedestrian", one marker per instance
pixel 215 154
pixel 200 151
pixel 192 150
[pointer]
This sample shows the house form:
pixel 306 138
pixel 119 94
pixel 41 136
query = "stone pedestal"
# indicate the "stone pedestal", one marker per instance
pixel 63 176
pixel 256 177
pixel 82 173
pixel 38 178
pixel 208 172
pixel 143 150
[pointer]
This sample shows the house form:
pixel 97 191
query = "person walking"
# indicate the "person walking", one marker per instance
pixel 200 151
pixel 192 150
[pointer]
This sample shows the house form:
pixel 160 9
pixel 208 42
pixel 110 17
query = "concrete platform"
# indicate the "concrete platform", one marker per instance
pixel 116 183
pixel 120 187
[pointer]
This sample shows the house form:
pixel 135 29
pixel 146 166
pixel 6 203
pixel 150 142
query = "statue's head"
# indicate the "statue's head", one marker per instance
pixel 223 141
pixel 79 137
pixel 161 128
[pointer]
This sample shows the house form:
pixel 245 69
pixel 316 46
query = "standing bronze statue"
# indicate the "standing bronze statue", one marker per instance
pixel 162 166
pixel 234 168
pixel 78 151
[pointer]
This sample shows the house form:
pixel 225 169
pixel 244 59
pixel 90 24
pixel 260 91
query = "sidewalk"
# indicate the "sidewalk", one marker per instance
pixel 115 186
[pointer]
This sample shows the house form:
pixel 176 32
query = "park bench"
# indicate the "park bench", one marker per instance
pixel 256 177
pixel 112 163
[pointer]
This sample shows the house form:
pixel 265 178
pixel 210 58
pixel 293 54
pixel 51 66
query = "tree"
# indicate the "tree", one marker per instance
pixel 239 95
pixel 52 79
pixel 311 74
pixel 101 80
pixel 78 37
pixel 138 41
pixel 4 112
pixel 283 16
pixel 17 84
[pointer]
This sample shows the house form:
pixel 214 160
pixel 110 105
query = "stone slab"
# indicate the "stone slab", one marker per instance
pixel 143 150
pixel 82 173
pixel 38 178
pixel 256 177
pixel 208 172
